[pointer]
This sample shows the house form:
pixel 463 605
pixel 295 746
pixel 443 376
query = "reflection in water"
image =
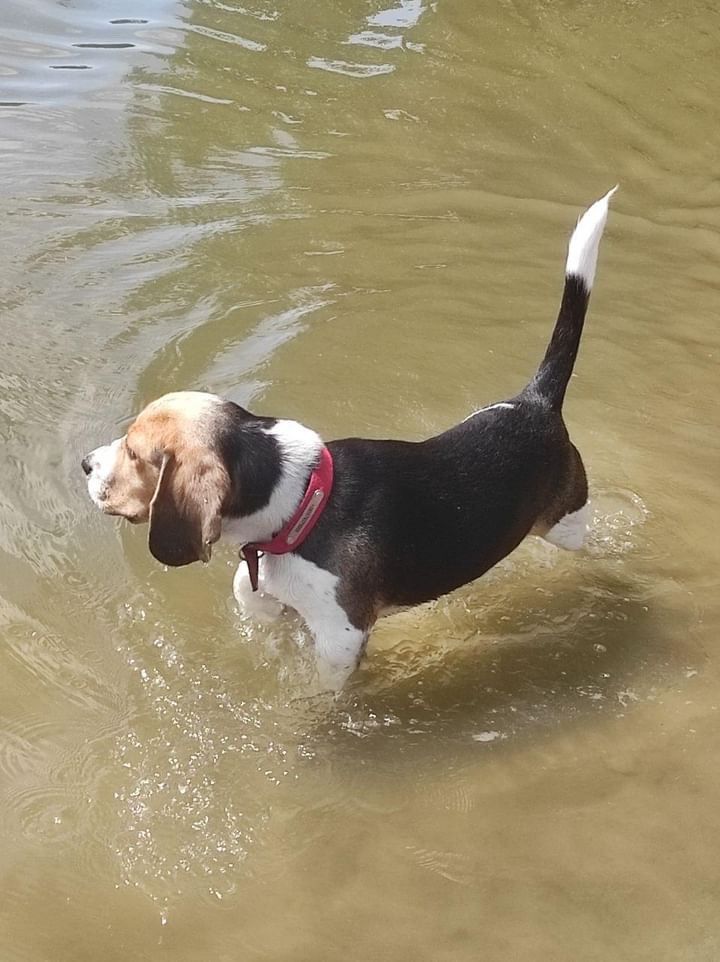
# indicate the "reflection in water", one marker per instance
pixel 407 15
pixel 291 205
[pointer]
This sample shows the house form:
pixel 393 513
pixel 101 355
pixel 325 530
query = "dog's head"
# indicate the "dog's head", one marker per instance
pixel 167 470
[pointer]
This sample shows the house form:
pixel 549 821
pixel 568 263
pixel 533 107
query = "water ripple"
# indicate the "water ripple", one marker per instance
pixel 350 69
pixel 224 37
pixel 198 771
pixel 408 14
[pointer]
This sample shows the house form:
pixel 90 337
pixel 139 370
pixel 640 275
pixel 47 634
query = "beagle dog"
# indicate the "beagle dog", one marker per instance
pixel 356 528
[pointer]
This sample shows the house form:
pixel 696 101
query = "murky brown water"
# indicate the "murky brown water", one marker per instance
pixel 356 215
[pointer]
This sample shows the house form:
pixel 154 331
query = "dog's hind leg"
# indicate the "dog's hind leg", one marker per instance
pixel 565 521
pixel 571 530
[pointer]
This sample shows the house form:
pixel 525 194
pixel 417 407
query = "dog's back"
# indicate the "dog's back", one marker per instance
pixel 410 521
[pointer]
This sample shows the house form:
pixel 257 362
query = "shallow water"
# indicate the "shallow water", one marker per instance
pixel 356 215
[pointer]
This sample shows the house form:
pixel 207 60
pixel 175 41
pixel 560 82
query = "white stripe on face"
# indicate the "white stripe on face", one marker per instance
pixel 102 462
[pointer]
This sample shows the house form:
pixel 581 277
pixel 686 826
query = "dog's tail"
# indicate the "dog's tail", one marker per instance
pixel 552 376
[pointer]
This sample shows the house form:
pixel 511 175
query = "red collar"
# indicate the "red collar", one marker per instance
pixel 296 530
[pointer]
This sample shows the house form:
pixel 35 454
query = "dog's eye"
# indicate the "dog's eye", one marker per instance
pixel 130 453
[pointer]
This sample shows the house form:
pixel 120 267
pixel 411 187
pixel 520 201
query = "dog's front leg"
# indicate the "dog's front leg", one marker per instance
pixel 339 645
pixel 338 650
pixel 312 592
pixel 258 605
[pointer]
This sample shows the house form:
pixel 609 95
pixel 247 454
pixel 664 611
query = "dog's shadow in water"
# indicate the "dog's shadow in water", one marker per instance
pixel 557 657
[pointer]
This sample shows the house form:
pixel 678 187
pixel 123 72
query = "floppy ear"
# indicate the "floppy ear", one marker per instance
pixel 185 512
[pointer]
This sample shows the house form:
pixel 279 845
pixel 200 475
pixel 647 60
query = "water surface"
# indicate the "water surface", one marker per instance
pixel 355 214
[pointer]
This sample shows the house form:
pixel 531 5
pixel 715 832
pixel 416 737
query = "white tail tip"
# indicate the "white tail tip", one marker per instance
pixel 585 240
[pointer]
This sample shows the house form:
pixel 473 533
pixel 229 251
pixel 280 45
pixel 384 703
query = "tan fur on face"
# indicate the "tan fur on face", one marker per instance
pixel 131 487
pixel 166 471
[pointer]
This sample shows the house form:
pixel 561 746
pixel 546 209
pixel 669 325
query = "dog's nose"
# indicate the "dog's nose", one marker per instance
pixel 86 466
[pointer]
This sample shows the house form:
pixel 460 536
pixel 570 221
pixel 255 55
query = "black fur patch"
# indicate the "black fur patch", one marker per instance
pixel 252 458
pixel 552 377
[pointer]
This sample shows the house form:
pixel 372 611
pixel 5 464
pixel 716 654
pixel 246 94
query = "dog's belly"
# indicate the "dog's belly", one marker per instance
pixel 389 610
